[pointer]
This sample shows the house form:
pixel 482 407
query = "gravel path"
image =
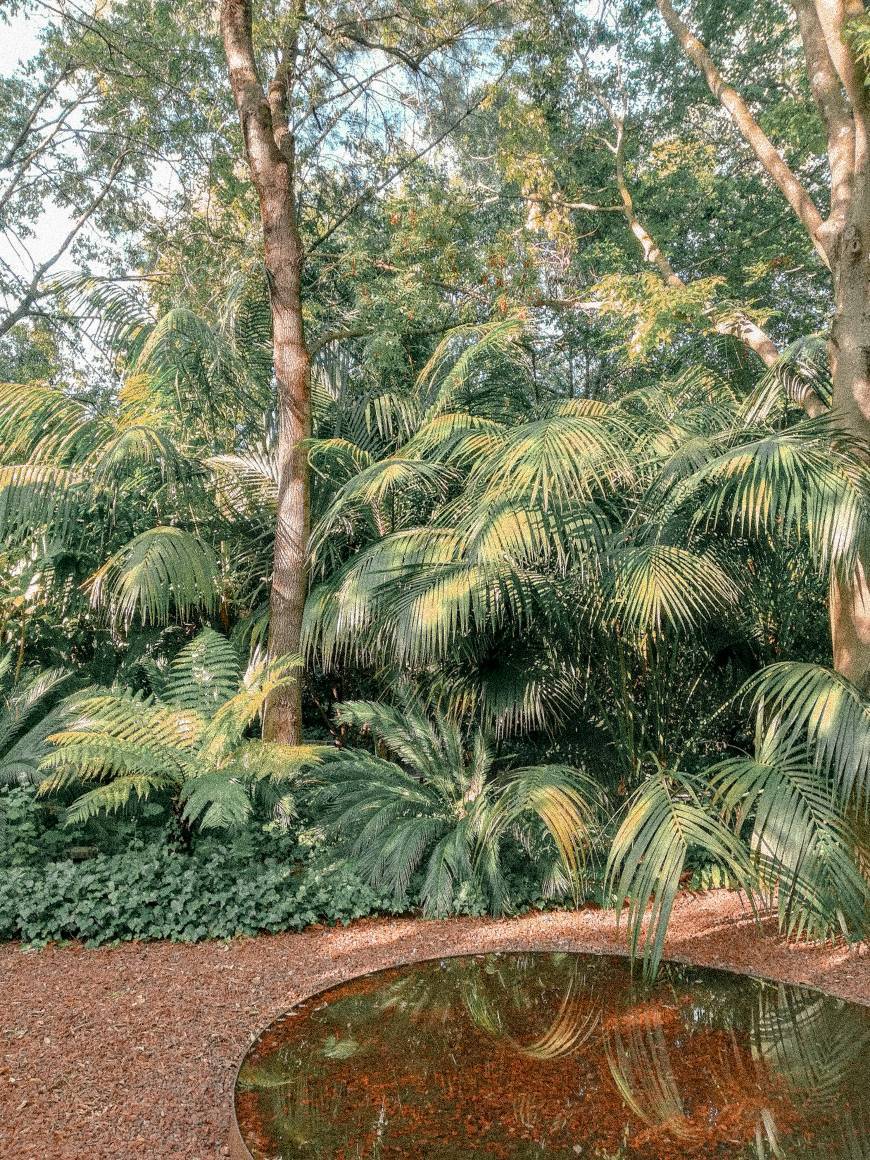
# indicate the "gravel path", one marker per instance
pixel 130 1052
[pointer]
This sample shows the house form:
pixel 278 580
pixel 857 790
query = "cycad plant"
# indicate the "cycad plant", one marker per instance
pixel 184 743
pixel 429 802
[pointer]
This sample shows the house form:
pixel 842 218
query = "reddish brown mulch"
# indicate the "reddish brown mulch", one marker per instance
pixel 131 1051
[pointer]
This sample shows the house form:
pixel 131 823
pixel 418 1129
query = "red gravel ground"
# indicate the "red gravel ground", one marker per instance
pixel 131 1052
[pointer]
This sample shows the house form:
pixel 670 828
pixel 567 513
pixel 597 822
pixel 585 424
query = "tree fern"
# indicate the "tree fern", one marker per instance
pixel 187 746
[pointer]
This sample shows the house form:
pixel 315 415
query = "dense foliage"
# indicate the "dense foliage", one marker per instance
pixel 585 601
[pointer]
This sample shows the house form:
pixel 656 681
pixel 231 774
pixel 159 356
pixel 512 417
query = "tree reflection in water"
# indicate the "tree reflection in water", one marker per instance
pixel 561 1055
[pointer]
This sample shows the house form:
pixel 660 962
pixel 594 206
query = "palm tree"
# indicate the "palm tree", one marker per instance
pixel 634 525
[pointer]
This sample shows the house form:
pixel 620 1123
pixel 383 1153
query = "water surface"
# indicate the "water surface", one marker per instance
pixel 559 1055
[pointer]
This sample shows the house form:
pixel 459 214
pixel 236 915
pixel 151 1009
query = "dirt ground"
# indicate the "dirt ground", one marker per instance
pixel 131 1051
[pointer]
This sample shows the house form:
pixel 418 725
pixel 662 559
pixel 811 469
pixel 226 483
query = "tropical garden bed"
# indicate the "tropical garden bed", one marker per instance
pixel 434 482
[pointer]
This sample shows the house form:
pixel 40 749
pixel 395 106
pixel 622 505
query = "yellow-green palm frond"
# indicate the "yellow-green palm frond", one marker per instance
pixel 451 436
pixel 804 848
pixel 659 587
pixel 462 352
pixel 162 571
pixel 45 425
pixel 828 714
pixel 664 820
pixel 558 461
pixel 807 481
pixel 40 496
pixel 566 801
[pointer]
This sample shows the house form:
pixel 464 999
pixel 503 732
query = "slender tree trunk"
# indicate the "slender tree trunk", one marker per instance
pixel 269 149
pixel 289 570
pixel 850 366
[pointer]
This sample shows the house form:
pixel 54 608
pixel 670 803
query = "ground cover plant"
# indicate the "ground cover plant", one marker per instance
pixel 433 463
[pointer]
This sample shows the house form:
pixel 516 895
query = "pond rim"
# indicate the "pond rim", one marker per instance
pixel 239 1150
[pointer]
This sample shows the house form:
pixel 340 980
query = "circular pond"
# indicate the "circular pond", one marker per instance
pixel 559 1055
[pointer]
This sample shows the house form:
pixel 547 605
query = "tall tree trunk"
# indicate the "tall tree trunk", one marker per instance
pixel 839 89
pixel 850 367
pixel 269 149
pixel 283 721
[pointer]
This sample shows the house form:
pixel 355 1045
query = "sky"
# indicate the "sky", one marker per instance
pixel 18 40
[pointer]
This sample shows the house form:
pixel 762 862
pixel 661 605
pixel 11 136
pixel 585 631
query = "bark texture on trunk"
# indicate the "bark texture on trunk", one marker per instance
pixel 269 149
pixel 842 239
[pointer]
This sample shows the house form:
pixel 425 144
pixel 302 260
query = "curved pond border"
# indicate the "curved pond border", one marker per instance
pixel 239 1150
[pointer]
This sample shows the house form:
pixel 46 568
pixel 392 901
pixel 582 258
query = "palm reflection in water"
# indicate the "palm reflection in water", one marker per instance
pixel 559 1055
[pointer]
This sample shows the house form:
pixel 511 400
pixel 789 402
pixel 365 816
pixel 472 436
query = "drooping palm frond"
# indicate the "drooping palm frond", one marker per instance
pixel 664 820
pixel 806 481
pixel 37 497
pixel 801 377
pixel 116 313
pixel 828 714
pixel 44 425
pixel 161 571
pixel 572 456
pixel 564 800
pixel 804 848
pixel 656 587
pixel 460 353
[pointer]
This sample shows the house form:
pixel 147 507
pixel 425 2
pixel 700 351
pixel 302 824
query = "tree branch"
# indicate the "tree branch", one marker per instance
pixel 771 159
pixel 374 190
pixel 34 291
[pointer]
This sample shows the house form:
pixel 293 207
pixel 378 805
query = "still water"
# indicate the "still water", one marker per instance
pixel 559 1055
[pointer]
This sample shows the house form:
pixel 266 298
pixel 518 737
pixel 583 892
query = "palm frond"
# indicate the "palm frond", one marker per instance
pixel 160 571
pixel 829 714
pixel 664 820
pixel 803 847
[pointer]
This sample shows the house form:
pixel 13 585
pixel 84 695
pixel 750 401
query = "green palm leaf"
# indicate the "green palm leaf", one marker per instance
pixel 161 571
pixel 664 820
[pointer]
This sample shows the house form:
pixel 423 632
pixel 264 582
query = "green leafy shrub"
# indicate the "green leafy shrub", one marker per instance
pixel 188 742
pixel 151 892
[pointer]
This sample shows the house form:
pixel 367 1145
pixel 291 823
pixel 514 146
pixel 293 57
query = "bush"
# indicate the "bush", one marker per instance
pixel 150 892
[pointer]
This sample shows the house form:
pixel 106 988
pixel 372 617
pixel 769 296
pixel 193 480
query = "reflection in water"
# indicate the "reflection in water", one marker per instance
pixel 559 1055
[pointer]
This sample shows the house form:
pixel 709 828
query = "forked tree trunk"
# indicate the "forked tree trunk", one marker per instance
pixel 269 149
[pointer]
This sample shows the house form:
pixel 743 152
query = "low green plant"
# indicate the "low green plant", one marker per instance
pixel 28 714
pixel 153 892
pixel 428 816
pixel 186 742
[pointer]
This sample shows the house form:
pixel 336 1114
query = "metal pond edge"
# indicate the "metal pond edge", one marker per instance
pixel 239 1150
